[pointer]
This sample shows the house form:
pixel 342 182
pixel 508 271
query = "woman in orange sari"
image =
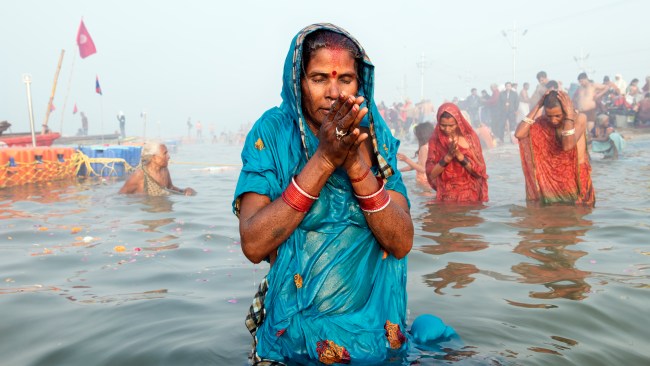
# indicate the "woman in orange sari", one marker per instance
pixel 554 156
pixel 455 165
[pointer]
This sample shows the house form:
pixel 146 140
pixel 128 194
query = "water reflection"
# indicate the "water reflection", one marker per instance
pixel 547 236
pixel 460 274
pixel 441 222
pixel 156 205
pixel 44 193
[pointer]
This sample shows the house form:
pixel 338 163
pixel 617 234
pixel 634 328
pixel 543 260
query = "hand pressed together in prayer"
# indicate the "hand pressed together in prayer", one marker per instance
pixel 454 151
pixel 339 134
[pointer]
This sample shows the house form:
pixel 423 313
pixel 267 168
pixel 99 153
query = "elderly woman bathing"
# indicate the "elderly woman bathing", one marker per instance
pixel 152 176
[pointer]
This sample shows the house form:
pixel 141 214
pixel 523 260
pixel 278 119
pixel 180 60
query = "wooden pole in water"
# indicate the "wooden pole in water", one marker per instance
pixel 49 104
pixel 27 79
pixel 65 100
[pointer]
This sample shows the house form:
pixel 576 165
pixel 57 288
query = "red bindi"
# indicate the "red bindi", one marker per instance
pixel 334 73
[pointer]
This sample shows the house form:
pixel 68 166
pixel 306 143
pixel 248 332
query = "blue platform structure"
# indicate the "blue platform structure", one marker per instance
pixel 109 161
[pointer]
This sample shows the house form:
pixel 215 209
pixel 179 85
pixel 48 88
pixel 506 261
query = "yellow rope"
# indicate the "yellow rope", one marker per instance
pixel 80 159
pixel 45 170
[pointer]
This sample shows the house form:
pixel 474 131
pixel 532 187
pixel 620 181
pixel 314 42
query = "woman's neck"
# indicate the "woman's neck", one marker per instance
pixel 313 127
pixel 152 167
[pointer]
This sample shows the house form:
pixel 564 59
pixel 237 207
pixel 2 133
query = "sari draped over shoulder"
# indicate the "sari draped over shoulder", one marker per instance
pixel 332 294
pixel 455 183
pixel 553 175
pixel 151 187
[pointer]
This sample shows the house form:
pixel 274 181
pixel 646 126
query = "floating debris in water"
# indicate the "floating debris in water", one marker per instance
pixel 75 230
pixel 119 248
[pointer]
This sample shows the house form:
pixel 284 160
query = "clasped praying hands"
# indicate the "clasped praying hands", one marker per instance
pixel 339 135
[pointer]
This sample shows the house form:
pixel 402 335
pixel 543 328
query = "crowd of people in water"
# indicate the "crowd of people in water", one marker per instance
pixel 494 114
pixel 321 199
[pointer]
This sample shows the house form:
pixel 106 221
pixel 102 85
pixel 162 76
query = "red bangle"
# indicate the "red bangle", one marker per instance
pixel 362 177
pixel 376 201
pixel 297 198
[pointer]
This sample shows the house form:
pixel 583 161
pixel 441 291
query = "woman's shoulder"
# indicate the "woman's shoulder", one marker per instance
pixel 274 126
pixel 273 119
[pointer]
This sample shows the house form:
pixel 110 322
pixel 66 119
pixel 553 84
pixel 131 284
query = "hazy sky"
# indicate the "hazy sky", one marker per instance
pixel 221 62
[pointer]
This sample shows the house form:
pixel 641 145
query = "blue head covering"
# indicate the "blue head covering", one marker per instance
pixel 293 103
pixel 332 289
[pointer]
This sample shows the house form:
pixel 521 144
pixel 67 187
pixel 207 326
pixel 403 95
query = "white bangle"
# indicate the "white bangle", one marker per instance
pixel 293 181
pixel 378 209
pixel 530 121
pixel 569 132
pixel 374 194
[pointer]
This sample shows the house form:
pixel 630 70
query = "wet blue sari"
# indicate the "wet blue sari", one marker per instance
pixel 334 295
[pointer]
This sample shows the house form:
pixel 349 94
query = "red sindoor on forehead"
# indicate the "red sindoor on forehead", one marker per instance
pixel 334 73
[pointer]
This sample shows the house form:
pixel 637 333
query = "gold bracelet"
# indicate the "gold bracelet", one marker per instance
pixel 530 121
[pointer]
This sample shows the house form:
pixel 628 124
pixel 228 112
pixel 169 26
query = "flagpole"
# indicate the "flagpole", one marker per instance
pixel 65 100
pixel 101 110
pixel 49 104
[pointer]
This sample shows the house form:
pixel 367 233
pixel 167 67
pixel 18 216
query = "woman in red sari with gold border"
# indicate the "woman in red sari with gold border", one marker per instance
pixel 455 166
pixel 554 154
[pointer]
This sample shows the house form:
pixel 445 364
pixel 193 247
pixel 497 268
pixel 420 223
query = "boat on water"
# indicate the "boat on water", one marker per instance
pixel 25 139
pixel 89 139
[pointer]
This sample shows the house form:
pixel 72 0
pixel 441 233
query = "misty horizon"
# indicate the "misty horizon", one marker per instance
pixel 222 64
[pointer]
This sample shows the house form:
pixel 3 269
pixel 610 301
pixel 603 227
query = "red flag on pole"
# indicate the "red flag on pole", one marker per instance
pixel 98 88
pixel 85 43
pixel 75 110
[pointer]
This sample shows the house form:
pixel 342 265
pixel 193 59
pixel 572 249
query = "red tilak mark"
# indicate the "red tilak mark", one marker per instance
pixel 334 73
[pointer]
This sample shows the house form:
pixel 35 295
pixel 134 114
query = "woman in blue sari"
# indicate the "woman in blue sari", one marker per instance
pixel 319 198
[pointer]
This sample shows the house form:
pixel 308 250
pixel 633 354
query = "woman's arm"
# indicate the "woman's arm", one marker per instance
pixel 412 165
pixel 467 163
pixel 264 225
pixel 574 124
pixel 438 167
pixel 134 183
pixel 392 226
pixel 404 158
pixel 186 191
pixel 523 128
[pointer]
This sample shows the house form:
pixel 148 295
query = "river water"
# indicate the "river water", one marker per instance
pixel 89 277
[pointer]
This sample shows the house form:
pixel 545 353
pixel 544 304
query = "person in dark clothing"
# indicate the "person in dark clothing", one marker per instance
pixel 473 103
pixel 508 105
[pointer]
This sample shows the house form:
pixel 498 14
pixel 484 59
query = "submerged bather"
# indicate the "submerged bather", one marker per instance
pixel 152 175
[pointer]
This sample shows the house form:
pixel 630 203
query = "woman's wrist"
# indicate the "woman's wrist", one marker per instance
pixel 568 124
pixel 356 169
pixel 324 164
pixel 443 162
pixel 359 178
